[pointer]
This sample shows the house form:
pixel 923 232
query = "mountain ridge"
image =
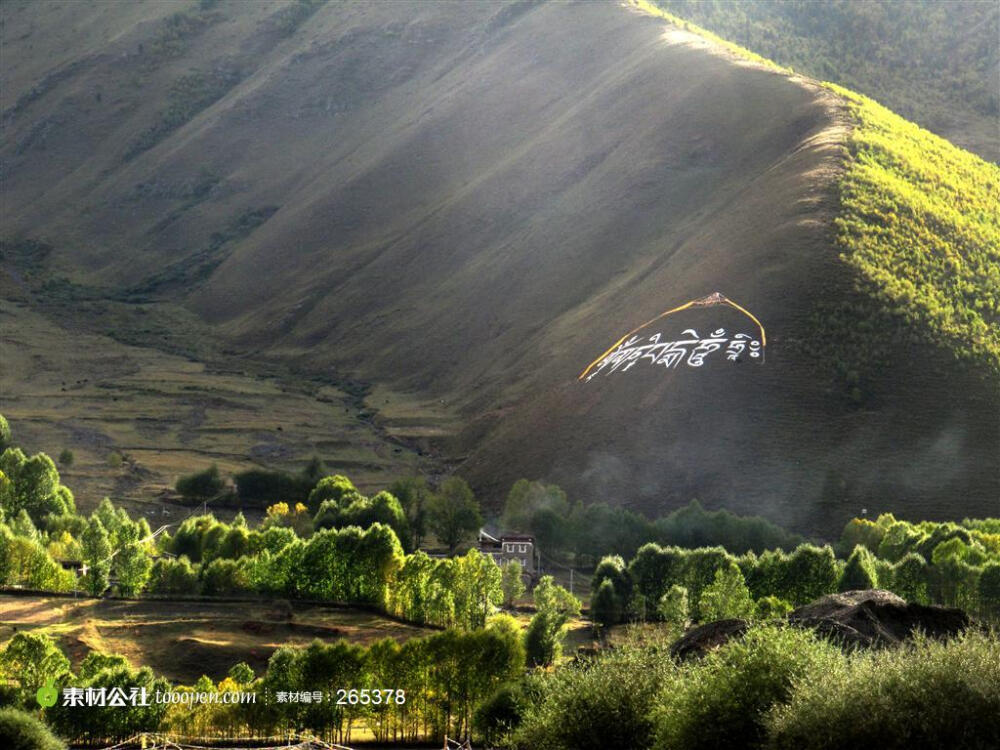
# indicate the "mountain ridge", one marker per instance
pixel 465 212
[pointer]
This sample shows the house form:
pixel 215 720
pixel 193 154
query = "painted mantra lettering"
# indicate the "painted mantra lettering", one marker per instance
pixel 691 350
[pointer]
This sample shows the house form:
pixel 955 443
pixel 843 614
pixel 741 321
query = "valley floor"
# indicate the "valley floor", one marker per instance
pixel 182 640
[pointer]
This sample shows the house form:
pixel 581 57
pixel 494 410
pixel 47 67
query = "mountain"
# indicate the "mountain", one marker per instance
pixel 935 63
pixel 444 212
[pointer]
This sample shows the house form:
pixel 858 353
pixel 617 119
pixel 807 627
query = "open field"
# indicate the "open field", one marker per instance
pixel 184 640
pixel 166 415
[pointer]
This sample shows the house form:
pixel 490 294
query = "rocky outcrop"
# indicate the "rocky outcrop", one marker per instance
pixel 852 619
pixel 702 639
pixel 876 619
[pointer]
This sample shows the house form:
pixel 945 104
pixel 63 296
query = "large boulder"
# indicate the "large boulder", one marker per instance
pixel 876 618
pixel 702 639
pixel 852 619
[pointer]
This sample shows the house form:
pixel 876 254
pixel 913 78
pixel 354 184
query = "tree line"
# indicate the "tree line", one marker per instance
pixel 951 564
pixel 437 683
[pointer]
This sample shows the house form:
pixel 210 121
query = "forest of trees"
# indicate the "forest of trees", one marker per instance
pixel 486 673
pixel 776 687
pixel 436 682
pixel 934 63
pixel 341 546
pixel 956 565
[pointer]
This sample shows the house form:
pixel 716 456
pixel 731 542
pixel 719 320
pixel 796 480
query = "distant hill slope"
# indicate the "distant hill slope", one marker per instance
pixel 936 63
pixel 465 204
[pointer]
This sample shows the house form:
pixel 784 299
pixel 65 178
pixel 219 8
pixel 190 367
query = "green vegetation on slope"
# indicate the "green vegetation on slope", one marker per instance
pixel 933 62
pixel 919 222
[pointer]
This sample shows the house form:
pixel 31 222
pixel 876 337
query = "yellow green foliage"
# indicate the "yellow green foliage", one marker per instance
pixel 919 222
pixel 648 7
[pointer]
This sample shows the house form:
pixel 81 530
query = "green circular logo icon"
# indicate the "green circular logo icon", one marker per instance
pixel 48 695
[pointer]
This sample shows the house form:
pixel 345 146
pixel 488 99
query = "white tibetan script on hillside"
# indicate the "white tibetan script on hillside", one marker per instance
pixel 692 350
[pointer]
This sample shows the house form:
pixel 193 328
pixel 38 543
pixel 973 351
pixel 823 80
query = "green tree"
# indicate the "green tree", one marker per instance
pixel 336 488
pixel 19 730
pixel 31 660
pixel 96 557
pixel 111 518
pixel 6 495
pixel 66 457
pixel 241 673
pixel 22 525
pixel 202 485
pixel 989 590
pixel 512 582
pixel 131 563
pixel 6 439
pixel 554 606
pixel 859 573
pixel 173 576
pixel 413 494
pixel 810 572
pixel 35 484
pixel 500 713
pixel 453 513
pixel 97 661
pixel 605 606
pixel 476 588
pixel 723 700
pixel 224 577
pixel 236 542
pixel 356 510
pixel 526 498
pixel 612 568
pixel 909 578
pixel 900 538
pixel 727 596
pixel 111 721
pixel 673 606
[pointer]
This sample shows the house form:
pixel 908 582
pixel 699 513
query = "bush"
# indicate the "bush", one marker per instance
pixel 722 701
pixel 727 597
pixel 66 457
pixel 673 607
pixel 772 607
pixel 267 487
pixel 500 714
pixel 20 730
pixel 605 607
pixel 928 695
pixel 224 577
pixel 201 485
pixel 596 704
pixel 6 439
pixel 173 576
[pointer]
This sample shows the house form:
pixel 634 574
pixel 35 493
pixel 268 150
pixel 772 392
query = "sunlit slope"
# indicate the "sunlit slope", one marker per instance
pixel 920 223
pixel 469 202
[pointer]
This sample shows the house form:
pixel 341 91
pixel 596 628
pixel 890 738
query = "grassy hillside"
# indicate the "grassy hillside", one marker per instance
pixel 919 223
pixel 461 205
pixel 935 63
pixel 136 418
pixel 917 220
